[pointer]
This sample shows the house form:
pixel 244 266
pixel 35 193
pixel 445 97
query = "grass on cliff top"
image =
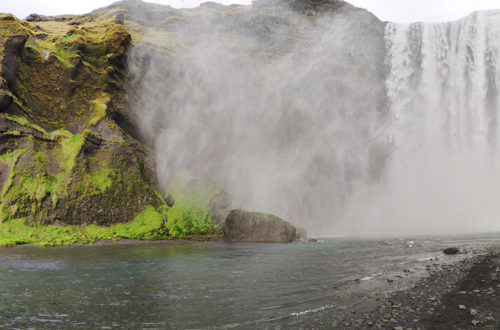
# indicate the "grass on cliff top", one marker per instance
pixel 148 225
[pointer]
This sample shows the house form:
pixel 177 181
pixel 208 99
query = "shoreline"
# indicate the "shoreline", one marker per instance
pixel 463 294
pixel 125 241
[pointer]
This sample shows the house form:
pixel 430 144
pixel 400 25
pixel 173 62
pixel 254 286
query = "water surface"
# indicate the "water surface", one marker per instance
pixel 204 285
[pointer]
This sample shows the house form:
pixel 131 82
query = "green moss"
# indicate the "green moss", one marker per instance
pixel 60 133
pixel 35 188
pixel 63 56
pixel 18 103
pixel 190 214
pixel 99 110
pixel 68 39
pixel 148 225
pixel 23 121
pixel 69 150
pixel 41 160
pixel 4 214
pixel 103 178
pixel 186 219
pixel 13 133
pixel 11 159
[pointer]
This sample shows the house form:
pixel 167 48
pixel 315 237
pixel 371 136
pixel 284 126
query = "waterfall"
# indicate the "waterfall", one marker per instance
pixel 443 80
pixel 444 171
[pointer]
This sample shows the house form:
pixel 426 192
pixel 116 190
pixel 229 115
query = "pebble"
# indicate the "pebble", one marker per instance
pixel 473 311
pixel 462 307
pixel 475 322
pixel 398 328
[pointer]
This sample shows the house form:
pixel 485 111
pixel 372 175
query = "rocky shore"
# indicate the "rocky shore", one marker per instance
pixel 458 295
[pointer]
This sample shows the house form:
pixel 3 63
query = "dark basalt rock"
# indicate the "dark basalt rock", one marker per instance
pixel 170 201
pixel 451 250
pixel 12 50
pixel 5 99
pixel 243 226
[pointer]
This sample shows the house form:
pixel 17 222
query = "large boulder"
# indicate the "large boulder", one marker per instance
pixel 243 226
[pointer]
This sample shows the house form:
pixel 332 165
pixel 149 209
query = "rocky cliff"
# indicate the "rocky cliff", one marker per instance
pixel 75 153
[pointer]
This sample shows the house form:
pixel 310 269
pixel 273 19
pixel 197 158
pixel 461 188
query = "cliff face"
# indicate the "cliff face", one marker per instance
pixel 74 96
pixel 64 159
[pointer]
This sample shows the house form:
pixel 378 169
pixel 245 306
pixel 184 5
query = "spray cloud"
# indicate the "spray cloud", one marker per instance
pixel 325 116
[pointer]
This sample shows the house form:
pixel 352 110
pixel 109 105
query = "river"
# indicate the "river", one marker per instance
pixel 208 285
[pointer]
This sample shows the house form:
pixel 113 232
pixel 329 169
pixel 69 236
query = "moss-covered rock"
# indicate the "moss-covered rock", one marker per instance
pixel 147 225
pixel 71 168
pixel 63 159
pixel 60 177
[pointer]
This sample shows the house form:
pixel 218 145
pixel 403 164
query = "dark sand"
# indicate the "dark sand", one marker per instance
pixel 460 295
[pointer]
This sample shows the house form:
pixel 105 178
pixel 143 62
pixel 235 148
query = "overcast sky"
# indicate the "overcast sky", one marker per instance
pixel 389 10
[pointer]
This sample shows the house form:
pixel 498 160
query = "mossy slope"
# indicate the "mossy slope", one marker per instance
pixel 68 172
pixel 148 225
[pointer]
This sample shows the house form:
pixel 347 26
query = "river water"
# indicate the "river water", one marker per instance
pixel 208 285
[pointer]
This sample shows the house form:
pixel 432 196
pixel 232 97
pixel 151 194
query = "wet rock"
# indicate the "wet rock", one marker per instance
pixel 312 240
pixel 451 250
pixel 243 226
pixel 12 50
pixel 5 99
pixel 301 233
pixel 170 201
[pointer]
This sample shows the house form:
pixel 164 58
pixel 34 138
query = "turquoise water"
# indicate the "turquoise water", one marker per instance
pixel 199 285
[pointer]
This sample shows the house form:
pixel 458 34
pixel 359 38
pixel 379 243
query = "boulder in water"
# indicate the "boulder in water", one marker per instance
pixel 451 250
pixel 243 226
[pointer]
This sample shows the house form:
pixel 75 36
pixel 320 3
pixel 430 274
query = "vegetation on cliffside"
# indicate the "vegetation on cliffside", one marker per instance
pixel 71 167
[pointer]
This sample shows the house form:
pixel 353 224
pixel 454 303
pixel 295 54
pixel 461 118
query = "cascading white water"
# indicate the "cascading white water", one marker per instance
pixel 444 171
pixel 443 79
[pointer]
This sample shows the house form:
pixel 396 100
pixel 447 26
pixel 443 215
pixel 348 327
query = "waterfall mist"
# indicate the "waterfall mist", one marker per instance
pixel 326 120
